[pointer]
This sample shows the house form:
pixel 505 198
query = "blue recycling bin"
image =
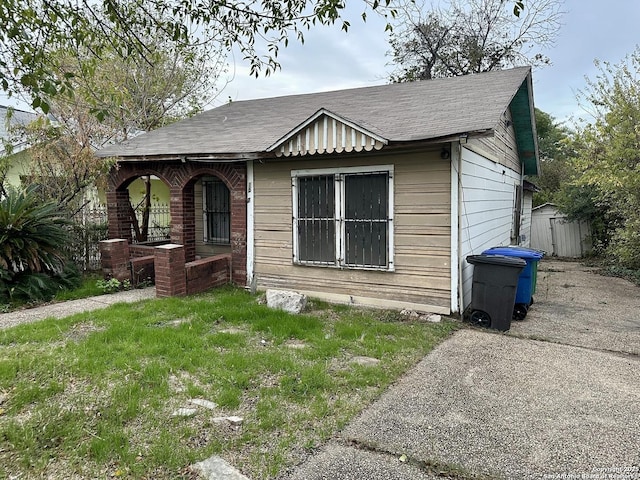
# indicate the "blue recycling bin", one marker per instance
pixel 527 279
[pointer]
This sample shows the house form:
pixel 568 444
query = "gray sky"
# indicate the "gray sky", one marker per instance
pixel 331 59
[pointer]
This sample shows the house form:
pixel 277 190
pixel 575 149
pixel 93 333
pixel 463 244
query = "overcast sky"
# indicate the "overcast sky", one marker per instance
pixel 331 59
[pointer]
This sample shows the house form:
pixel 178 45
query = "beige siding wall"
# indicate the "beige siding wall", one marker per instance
pixel 501 147
pixel 204 249
pixel 422 235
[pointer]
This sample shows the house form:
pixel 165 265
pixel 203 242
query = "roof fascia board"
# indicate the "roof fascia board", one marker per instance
pixel 524 124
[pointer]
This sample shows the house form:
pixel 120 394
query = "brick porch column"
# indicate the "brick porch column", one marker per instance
pixel 118 214
pixel 183 220
pixel 170 271
pixel 114 257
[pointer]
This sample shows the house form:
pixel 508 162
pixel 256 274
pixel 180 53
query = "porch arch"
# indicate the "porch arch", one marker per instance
pixel 181 178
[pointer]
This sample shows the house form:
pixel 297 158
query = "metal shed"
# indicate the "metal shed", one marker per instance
pixel 552 232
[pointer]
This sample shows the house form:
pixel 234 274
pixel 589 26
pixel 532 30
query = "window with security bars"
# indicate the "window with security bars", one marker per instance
pixel 216 210
pixel 343 219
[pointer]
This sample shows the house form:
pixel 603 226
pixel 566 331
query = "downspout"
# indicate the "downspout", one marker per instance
pixel 460 210
pixel 251 280
pixel 456 231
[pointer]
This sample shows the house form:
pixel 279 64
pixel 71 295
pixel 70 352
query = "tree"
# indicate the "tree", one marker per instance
pixel 609 157
pixel 113 99
pixel 555 144
pixel 471 36
pixel 32 28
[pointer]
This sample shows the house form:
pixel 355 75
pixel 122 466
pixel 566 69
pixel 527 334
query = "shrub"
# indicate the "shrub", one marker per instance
pixel 32 239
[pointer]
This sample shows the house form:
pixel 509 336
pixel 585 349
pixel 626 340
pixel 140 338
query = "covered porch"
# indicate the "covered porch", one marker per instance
pixel 207 244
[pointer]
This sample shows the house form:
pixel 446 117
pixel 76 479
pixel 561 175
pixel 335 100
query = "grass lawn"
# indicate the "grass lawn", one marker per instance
pixel 92 395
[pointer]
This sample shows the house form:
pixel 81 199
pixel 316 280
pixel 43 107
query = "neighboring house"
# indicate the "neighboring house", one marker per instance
pixel 552 232
pixel 17 169
pixel 17 156
pixel 371 196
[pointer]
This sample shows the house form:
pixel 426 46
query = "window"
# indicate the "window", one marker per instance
pixel 216 211
pixel 517 215
pixel 344 217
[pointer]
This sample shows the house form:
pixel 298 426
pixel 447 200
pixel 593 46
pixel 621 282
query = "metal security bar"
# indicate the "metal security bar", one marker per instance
pixel 366 219
pixel 216 211
pixel 316 225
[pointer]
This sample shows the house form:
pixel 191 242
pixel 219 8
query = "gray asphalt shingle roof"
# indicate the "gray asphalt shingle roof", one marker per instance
pixel 400 112
pixel 18 117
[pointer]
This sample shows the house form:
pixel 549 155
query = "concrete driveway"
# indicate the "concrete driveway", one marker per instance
pixel 576 306
pixel 556 397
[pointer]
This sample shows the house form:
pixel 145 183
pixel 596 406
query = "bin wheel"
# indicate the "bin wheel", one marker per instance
pixel 478 317
pixel 520 311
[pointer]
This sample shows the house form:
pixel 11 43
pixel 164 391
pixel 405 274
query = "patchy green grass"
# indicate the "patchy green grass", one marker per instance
pixel 92 395
pixel 88 288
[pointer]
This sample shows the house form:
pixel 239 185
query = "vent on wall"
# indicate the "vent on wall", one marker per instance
pixel 325 132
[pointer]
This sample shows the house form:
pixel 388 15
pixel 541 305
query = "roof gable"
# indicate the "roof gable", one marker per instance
pixel 326 132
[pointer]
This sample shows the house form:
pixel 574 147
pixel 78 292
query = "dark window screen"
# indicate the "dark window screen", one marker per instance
pixel 366 219
pixel 316 219
pixel 217 211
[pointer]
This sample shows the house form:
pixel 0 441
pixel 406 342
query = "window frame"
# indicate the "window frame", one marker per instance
pixel 207 238
pixel 339 174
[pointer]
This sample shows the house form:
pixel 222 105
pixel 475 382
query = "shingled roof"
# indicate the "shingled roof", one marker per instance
pixel 401 112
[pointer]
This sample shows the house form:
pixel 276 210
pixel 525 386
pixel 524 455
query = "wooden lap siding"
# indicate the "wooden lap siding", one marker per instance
pixel 421 233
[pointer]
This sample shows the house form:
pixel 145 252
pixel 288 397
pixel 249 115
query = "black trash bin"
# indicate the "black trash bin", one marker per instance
pixel 493 294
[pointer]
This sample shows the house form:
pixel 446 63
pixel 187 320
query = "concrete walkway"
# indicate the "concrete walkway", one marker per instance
pixel 556 397
pixel 63 309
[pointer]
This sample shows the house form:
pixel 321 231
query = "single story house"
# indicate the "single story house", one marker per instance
pixel 370 196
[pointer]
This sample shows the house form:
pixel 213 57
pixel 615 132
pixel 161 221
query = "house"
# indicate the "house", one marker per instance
pixel 552 232
pixel 15 156
pixel 371 196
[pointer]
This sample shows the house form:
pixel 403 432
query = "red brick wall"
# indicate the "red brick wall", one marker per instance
pixel 181 176
pixel 115 259
pixel 170 271
pixel 207 273
pixel 143 270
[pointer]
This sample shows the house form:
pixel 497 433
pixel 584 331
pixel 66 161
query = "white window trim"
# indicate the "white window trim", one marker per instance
pixel 339 215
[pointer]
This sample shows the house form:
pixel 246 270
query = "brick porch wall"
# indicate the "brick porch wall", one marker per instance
pixel 115 259
pixel 181 176
pixel 207 273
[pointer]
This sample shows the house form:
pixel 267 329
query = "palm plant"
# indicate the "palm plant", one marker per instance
pixel 32 240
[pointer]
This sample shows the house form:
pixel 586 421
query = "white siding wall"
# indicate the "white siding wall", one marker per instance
pixel 488 196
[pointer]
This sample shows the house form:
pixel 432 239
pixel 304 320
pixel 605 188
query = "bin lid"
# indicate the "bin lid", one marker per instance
pixel 520 252
pixel 497 260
